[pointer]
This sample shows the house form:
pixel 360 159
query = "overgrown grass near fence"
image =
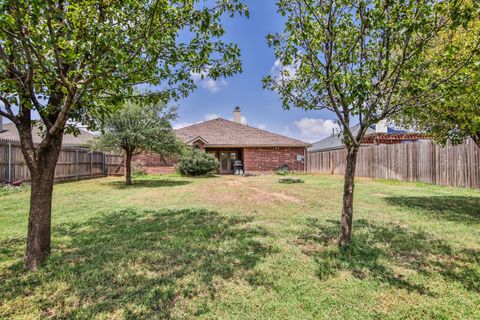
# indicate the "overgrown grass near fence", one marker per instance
pixel 424 161
pixel 73 163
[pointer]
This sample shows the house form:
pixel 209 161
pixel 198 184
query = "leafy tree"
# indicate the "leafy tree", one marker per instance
pixel 72 60
pixel 361 60
pixel 197 163
pixel 139 127
pixel 455 114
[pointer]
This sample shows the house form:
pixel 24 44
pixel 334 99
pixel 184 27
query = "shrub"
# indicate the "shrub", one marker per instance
pixel 197 163
pixel 283 170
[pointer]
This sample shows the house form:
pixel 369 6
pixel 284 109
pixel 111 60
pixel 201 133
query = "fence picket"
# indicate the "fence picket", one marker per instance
pixel 72 163
pixel 422 161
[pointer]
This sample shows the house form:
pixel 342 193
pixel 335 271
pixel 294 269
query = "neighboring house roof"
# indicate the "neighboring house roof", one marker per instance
pixel 224 133
pixel 335 141
pixel 69 140
pixel 392 138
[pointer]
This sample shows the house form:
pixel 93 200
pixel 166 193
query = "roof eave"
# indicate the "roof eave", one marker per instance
pixel 191 141
pixel 339 147
pixel 256 146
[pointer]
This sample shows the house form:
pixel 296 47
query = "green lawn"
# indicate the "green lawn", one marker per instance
pixel 245 248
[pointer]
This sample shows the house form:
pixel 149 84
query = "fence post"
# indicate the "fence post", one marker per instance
pixel 91 164
pixel 10 162
pixel 332 167
pixel 76 165
pixel 105 169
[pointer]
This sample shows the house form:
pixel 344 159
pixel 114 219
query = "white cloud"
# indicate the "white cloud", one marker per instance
pixel 283 72
pixel 180 125
pixel 312 129
pixel 262 126
pixel 286 131
pixel 211 116
pixel 211 85
pixel 208 116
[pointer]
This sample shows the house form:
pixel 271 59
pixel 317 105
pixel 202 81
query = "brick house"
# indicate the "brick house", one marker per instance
pixel 259 151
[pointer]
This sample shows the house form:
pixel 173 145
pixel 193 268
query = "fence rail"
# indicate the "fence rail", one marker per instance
pixel 73 164
pixel 423 161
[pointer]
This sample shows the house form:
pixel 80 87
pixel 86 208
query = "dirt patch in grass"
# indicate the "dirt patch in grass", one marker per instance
pixel 239 192
pixel 264 194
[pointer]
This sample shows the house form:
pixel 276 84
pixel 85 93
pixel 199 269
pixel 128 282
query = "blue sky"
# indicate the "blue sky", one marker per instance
pixel 261 108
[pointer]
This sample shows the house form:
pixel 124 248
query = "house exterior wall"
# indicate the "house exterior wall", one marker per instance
pixel 153 163
pixel 255 160
pixel 265 160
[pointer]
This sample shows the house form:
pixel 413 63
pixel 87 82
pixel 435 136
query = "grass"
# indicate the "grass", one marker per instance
pixel 245 248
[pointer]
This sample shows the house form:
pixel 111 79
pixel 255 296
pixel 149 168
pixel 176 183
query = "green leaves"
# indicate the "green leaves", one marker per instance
pixel 137 127
pixel 364 57
pixel 197 163
pixel 100 51
pixel 454 113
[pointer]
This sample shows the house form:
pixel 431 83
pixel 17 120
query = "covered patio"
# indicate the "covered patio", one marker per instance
pixel 226 157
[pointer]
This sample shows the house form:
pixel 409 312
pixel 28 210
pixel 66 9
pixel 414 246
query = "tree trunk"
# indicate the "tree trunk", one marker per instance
pixel 39 220
pixel 128 168
pixel 347 210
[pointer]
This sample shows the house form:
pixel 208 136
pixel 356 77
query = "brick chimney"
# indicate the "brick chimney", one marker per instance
pixel 237 115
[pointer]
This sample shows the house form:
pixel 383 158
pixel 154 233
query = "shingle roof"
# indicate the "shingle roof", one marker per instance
pixel 10 133
pixel 220 132
pixel 335 141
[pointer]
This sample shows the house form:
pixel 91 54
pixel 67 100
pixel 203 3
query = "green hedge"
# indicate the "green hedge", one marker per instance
pixel 197 163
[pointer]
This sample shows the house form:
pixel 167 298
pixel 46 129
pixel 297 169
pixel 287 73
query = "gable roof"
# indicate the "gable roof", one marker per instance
pixel 10 132
pixel 197 139
pixel 335 141
pixel 225 133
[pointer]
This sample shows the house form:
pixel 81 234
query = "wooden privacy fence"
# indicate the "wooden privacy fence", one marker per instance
pixel 73 164
pixel 423 161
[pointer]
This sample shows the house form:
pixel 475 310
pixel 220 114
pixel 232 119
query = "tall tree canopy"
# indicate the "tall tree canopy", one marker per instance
pixel 361 60
pixel 138 127
pixel 455 113
pixel 72 60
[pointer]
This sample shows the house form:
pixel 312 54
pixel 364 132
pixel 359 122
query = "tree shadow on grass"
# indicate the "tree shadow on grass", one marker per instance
pixel 387 254
pixel 453 208
pixel 138 264
pixel 148 183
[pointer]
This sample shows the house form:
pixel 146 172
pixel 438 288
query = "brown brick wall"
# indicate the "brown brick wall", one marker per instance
pixel 256 160
pixel 267 159
pixel 153 163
